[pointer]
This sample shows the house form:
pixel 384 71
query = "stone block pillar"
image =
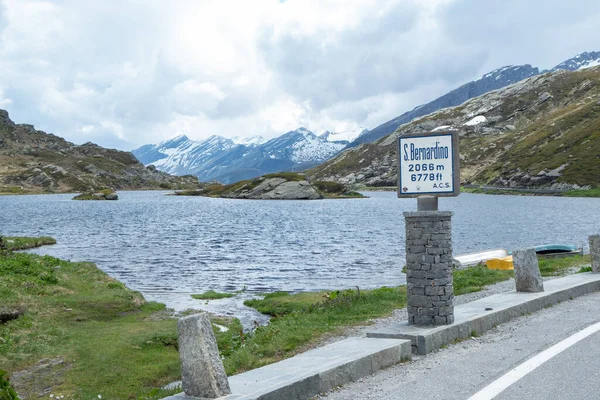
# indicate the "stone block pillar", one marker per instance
pixel 202 371
pixel 429 267
pixel 528 277
pixel 595 252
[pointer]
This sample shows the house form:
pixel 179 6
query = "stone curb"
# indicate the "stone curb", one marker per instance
pixel 482 315
pixel 316 371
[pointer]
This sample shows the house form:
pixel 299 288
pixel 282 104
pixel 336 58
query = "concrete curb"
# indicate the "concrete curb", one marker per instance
pixel 316 371
pixel 483 314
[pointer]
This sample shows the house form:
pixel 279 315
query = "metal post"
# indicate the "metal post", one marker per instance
pixel 427 203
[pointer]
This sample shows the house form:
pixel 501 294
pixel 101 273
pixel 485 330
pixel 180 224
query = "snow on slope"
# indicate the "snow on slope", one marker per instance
pixel 580 61
pixel 249 141
pixel 188 155
pixel 344 136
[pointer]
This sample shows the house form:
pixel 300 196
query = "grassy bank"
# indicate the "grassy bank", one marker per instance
pixel 23 243
pixel 524 192
pixel 563 266
pixel 583 193
pixel 96 336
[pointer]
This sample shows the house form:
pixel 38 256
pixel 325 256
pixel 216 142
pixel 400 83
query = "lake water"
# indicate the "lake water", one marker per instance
pixel 170 246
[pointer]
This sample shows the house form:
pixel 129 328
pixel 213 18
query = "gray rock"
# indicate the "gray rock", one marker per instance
pixel 595 252
pixel 527 272
pixel 202 371
pixel 300 190
pixel 112 196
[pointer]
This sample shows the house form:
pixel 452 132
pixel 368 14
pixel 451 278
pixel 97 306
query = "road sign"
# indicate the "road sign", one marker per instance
pixel 428 164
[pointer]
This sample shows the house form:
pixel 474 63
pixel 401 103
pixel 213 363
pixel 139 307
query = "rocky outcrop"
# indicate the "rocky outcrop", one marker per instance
pixel 279 186
pixel 106 194
pixel 32 161
pixel 276 189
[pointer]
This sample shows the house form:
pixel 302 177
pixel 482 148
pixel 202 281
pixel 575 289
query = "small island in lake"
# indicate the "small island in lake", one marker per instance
pixel 277 186
pixel 104 194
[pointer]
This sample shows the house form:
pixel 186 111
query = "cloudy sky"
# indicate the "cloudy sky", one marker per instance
pixel 124 73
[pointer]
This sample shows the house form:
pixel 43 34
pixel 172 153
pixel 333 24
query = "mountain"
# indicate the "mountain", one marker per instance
pixel 542 132
pixel 580 61
pixel 32 161
pixel 496 79
pixel 231 160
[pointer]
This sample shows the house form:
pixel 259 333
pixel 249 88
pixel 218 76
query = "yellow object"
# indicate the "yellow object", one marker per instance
pixel 505 263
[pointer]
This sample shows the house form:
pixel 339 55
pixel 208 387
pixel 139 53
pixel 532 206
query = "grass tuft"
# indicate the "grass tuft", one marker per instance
pixel 212 295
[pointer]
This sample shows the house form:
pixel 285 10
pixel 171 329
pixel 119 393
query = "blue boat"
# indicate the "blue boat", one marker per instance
pixel 558 250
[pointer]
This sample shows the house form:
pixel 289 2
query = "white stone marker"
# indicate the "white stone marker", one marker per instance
pixel 527 272
pixel 595 252
pixel 202 371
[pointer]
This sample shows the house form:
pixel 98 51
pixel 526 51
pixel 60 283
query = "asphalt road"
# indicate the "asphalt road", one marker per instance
pixel 467 368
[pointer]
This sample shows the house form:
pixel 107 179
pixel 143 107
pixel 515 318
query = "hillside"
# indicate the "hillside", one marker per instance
pixel 493 80
pixel 496 79
pixel 32 161
pixel 543 132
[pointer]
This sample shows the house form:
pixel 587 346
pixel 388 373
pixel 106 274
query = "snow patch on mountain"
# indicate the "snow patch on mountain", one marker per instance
pixel 344 136
pixel 249 141
pixel 480 119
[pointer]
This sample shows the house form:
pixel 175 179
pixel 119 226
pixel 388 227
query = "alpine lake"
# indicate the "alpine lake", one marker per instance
pixel 169 247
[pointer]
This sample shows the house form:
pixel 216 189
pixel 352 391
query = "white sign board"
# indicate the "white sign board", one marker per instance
pixel 428 165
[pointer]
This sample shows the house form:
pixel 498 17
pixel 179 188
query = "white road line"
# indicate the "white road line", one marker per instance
pixel 508 379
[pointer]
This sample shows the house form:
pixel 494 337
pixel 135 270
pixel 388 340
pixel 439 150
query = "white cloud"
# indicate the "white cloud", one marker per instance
pixel 126 73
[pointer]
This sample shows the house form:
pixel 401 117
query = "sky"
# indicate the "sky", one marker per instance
pixel 123 73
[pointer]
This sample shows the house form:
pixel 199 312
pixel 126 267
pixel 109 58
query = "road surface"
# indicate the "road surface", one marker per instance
pixel 551 354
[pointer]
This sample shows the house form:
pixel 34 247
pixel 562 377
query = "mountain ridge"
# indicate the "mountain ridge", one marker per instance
pixel 221 159
pixel 493 80
pixel 33 161
pixel 541 132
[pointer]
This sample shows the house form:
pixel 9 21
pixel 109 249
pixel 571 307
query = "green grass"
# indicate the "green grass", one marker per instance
pixel 103 331
pixel 22 243
pixel 584 269
pixel 212 295
pixel 303 319
pixel 561 266
pixel 583 193
pixel 474 279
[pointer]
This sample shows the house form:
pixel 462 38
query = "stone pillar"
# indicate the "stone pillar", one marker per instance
pixel 202 371
pixel 527 272
pixel 429 267
pixel 595 252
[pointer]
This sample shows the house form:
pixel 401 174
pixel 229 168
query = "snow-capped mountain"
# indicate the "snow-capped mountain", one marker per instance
pixel 230 160
pixel 580 61
pixel 302 147
pixel 182 156
pixel 344 136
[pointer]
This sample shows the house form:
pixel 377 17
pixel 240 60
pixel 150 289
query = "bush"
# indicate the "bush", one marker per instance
pixel 6 391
